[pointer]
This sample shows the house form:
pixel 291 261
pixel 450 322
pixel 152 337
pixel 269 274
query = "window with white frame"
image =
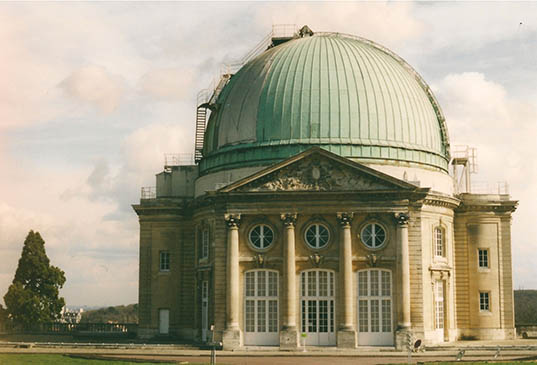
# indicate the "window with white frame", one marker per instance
pixel 317 235
pixel 261 236
pixel 484 301
pixel 205 243
pixel 261 301
pixel 164 261
pixel 439 304
pixel 439 242
pixel 373 235
pixel 483 258
pixel 374 301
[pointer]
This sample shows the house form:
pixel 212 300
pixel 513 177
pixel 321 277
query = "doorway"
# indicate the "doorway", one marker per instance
pixel 317 304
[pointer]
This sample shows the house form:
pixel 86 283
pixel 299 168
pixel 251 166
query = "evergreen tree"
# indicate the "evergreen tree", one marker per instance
pixel 3 317
pixel 33 297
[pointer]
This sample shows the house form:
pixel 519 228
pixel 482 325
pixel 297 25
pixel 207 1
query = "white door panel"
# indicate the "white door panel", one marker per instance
pixel 375 327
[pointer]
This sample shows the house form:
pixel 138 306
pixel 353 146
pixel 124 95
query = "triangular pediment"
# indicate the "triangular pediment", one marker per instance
pixel 317 170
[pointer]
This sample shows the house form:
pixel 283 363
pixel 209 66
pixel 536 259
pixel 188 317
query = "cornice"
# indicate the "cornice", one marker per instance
pixel 159 210
pixel 487 203
pixel 440 200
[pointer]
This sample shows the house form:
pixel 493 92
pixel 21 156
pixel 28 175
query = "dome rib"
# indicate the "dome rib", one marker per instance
pixel 345 94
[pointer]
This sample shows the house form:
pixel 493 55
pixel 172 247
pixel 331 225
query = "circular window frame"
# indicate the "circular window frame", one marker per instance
pixel 319 223
pixel 251 244
pixel 386 235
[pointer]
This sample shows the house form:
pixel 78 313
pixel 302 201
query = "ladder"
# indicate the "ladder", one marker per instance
pixel 201 118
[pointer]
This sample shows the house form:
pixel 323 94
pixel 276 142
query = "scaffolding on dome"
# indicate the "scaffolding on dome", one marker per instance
pixel 464 165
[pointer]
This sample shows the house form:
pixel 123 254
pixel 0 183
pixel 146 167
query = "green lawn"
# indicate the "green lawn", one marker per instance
pixel 47 359
pixel 483 362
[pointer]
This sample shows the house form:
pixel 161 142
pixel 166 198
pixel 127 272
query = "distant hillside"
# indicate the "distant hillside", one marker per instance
pixel 117 314
pixel 526 306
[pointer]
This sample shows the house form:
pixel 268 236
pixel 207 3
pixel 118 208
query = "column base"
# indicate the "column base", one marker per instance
pixel 231 339
pixel 289 339
pixel 346 339
pixel 402 337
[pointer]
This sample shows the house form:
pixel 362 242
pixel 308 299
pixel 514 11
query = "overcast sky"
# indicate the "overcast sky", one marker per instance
pixel 93 94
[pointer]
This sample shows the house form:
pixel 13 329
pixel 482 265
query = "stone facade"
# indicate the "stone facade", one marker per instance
pixel 325 250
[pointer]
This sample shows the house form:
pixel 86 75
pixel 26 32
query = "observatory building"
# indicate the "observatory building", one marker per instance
pixel 324 205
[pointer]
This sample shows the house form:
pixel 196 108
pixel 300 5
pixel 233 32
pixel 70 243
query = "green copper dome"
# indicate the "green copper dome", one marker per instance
pixel 345 94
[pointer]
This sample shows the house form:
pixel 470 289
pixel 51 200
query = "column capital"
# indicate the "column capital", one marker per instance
pixel 402 219
pixel 232 220
pixel 345 218
pixel 288 219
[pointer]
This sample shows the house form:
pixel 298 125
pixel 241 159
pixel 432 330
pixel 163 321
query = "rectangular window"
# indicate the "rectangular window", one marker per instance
pixel 375 315
pixel 250 316
pixel 164 264
pixel 439 304
pixel 439 242
pixel 273 316
pixel 483 258
pixel 362 284
pixel 363 316
pixel 386 315
pixel 205 244
pixel 484 301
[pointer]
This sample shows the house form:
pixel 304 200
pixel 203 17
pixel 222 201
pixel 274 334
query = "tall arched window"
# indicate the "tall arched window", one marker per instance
pixel 261 307
pixel 375 307
pixel 317 307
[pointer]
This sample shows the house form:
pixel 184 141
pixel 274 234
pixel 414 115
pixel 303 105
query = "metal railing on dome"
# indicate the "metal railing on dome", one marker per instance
pixel 148 192
pixel 278 31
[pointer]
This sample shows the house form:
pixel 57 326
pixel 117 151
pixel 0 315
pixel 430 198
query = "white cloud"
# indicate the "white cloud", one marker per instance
pixel 144 149
pixel 388 23
pixel 168 83
pixel 481 114
pixel 94 85
pixel 469 29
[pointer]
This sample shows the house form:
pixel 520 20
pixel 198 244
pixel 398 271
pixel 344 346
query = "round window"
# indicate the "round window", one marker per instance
pixel 317 235
pixel 261 236
pixel 373 235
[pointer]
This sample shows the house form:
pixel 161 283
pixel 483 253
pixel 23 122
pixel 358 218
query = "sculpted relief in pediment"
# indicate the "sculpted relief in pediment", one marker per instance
pixel 315 174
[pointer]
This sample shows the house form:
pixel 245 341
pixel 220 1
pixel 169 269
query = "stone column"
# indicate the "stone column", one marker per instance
pixel 232 335
pixel 346 335
pixel 289 333
pixel 404 323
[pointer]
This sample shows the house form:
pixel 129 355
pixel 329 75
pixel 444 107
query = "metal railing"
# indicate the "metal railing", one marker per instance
pixel 72 328
pixel 278 31
pixel 148 192
pixel 483 187
pixel 178 159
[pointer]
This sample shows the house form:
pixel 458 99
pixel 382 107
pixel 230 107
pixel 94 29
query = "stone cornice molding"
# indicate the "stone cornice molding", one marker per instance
pixel 437 200
pixel 158 212
pixel 491 206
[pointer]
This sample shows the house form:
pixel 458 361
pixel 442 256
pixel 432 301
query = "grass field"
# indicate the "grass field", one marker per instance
pixel 484 362
pixel 46 359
